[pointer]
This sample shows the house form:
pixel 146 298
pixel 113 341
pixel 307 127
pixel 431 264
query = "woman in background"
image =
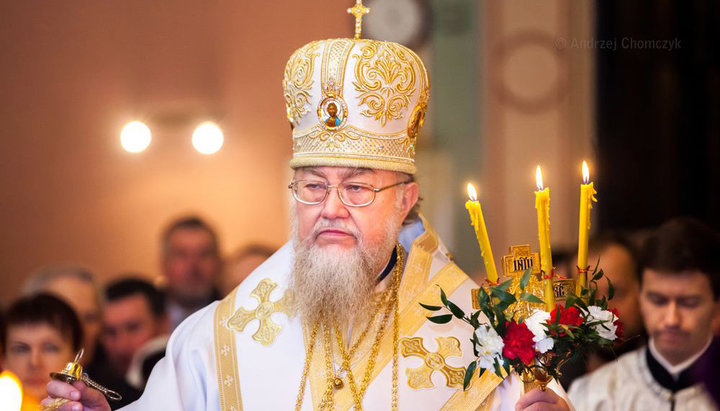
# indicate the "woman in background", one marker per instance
pixel 41 334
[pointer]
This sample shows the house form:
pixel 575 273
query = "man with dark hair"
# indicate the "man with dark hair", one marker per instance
pixel 191 265
pixel 679 280
pixel 134 314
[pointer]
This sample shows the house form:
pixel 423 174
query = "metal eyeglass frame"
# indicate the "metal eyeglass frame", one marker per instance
pixel 293 185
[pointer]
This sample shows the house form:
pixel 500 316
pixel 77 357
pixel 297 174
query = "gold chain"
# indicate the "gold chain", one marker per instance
pixel 306 367
pixel 392 305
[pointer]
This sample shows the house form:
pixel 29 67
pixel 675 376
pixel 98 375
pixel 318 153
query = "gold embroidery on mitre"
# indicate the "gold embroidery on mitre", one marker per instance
pixel 335 58
pixel 421 377
pixel 353 142
pixel 268 329
pixel 385 79
pixel 298 81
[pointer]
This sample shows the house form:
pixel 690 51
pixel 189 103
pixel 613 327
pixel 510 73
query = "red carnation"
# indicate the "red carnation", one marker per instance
pixel 570 316
pixel 620 330
pixel 518 342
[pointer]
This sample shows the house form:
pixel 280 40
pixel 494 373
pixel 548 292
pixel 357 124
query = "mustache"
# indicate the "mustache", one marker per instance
pixel 324 223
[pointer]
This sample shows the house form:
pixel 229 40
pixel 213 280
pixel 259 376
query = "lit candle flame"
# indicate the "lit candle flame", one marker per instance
pixel 538 179
pixel 586 173
pixel 10 392
pixel 471 192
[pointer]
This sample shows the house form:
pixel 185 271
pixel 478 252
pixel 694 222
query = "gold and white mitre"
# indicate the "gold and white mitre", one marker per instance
pixel 355 103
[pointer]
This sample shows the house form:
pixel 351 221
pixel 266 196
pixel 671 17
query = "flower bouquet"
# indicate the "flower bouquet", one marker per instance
pixel 535 344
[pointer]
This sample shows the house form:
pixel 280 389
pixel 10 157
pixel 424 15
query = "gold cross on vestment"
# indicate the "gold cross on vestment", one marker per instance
pixel 421 377
pixel 268 329
pixel 358 10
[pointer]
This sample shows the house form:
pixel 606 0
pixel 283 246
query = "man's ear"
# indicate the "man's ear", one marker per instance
pixel 410 198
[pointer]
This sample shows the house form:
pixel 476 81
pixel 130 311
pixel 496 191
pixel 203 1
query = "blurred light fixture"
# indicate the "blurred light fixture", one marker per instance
pixel 135 137
pixel 207 138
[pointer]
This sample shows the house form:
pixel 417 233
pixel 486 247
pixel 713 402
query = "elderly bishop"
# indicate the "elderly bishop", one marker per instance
pixel 332 321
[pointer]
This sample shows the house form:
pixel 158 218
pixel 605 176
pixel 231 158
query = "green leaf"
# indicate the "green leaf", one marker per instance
pixel 611 289
pixel 483 298
pixel 525 278
pixel 441 319
pixel 531 298
pixel 443 297
pixel 431 307
pixel 567 330
pixel 504 286
pixel 502 295
pixel 468 374
pixel 598 275
pixel 582 304
pixel 457 312
pixel 497 369
pixel 474 319
pixel 570 300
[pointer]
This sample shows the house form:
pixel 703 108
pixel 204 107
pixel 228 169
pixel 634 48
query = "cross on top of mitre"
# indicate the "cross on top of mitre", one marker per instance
pixel 358 10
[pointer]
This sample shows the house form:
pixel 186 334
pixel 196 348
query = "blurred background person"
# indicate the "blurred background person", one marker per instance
pixel 191 267
pixel 41 334
pixel 77 287
pixel 134 325
pixel 616 255
pixel 679 298
pixel 242 263
pixel 135 329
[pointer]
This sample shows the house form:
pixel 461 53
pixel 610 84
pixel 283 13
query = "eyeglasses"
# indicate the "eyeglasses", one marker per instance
pixel 351 194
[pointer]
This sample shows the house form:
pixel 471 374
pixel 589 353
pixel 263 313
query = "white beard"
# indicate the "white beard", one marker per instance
pixel 329 282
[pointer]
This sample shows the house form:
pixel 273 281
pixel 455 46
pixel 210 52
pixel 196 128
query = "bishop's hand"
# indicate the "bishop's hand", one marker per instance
pixel 537 400
pixel 79 397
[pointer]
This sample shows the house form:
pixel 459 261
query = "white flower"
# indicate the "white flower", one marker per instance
pixel 607 328
pixel 490 346
pixel 536 324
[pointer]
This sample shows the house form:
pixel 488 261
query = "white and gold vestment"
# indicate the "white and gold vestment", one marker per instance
pixel 259 349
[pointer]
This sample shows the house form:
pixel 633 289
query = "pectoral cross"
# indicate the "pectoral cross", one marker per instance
pixel 358 10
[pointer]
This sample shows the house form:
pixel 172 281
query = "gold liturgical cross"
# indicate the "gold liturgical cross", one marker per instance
pixel 421 377
pixel 268 329
pixel 358 10
pixel 514 266
pixel 519 260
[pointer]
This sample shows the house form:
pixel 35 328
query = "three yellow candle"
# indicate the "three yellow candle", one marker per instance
pixel 587 196
pixel 542 204
pixel 478 222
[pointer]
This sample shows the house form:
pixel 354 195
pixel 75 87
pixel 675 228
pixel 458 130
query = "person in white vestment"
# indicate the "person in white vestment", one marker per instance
pixel 679 298
pixel 332 321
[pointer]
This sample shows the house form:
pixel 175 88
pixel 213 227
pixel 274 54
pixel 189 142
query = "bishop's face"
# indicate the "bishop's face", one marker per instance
pixel 334 225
